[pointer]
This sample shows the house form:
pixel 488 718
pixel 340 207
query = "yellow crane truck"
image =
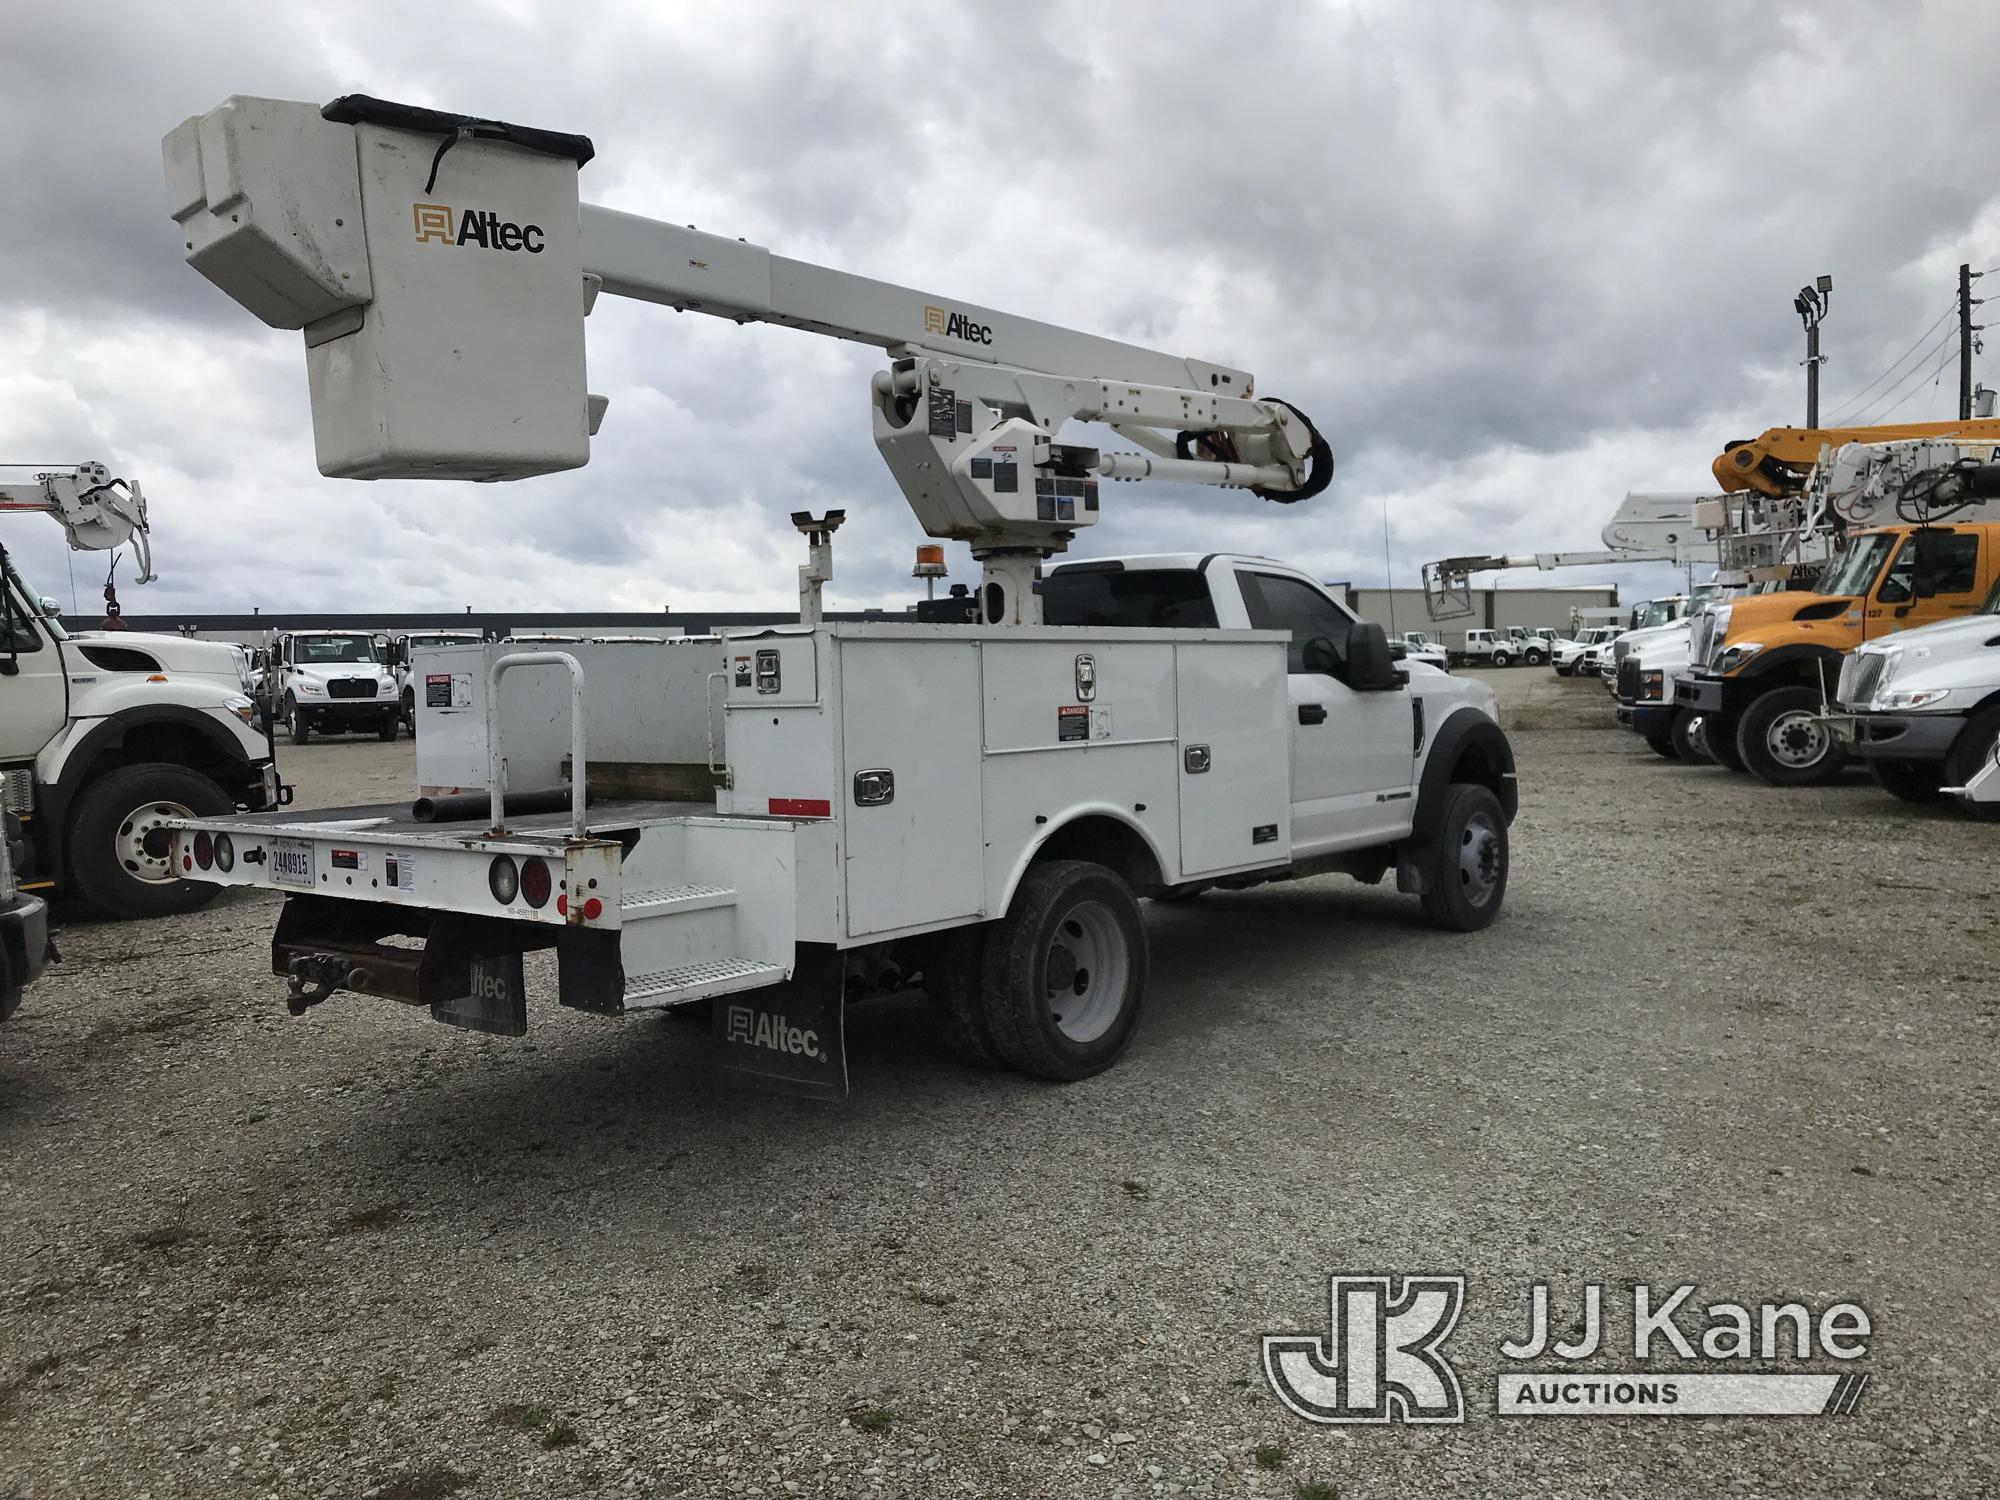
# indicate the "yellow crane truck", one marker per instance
pixel 1763 668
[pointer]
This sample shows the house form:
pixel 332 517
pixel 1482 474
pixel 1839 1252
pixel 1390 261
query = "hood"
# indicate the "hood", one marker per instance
pixel 142 651
pixel 1763 611
pixel 1943 638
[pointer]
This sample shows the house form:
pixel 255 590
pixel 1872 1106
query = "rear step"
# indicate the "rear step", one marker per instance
pixel 694 981
pixel 666 900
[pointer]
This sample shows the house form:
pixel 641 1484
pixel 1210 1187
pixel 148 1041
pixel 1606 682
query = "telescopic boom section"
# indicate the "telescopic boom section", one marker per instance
pixel 96 510
pixel 441 267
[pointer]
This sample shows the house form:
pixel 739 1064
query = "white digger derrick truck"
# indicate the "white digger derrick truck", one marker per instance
pixel 774 821
pixel 105 735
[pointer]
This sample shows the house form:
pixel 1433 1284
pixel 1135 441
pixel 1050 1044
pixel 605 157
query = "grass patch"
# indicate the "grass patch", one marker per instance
pixel 1270 1456
pixel 874 1419
pixel 1314 1489
pixel 561 1433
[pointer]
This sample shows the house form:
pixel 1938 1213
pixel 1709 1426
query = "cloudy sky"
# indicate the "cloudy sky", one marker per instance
pixel 1515 260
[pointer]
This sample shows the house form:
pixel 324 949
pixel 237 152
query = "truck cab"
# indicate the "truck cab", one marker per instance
pixel 1766 667
pixel 333 682
pixel 104 737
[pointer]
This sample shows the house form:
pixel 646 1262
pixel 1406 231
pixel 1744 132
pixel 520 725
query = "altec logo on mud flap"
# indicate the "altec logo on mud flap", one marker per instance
pixel 440 224
pixel 756 1028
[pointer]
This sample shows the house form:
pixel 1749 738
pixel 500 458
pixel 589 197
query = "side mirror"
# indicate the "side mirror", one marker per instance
pixel 49 608
pixel 1370 667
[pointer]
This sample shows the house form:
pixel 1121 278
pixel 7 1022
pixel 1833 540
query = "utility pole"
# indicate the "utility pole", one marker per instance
pixel 1812 303
pixel 1966 329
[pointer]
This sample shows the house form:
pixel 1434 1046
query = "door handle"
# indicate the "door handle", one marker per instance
pixel 1312 713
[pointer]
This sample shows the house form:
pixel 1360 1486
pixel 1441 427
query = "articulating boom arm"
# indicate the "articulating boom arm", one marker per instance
pixel 441 267
pixel 95 510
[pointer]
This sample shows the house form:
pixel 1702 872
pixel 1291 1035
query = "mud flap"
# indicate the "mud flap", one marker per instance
pixel 789 1037
pixel 496 1001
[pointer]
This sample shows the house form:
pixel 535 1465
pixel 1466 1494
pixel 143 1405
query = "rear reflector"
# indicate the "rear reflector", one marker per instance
pixel 801 807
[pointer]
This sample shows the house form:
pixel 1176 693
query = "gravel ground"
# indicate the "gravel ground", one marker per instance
pixel 1723 1034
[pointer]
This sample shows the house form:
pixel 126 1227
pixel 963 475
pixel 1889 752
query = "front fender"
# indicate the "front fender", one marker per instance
pixel 1791 660
pixel 67 758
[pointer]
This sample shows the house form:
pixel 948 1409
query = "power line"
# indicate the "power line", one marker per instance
pixel 1860 396
pixel 1947 343
pixel 1936 372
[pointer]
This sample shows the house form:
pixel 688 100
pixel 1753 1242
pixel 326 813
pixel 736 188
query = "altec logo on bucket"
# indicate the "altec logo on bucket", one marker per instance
pixel 749 1027
pixel 441 224
pixel 956 325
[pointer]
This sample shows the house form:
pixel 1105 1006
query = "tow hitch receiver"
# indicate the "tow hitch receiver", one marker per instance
pixel 466 969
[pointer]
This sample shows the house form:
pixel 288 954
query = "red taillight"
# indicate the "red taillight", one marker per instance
pixel 801 807
pixel 536 883
pixel 592 909
pixel 204 850
pixel 562 906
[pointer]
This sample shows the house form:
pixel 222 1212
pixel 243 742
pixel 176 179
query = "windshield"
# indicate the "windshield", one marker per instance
pixel 1706 593
pixel 318 650
pixel 1659 612
pixel 30 600
pixel 438 640
pixel 1416 638
pixel 1859 561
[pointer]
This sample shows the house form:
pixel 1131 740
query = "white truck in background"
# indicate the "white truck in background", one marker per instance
pixel 332 682
pixel 107 735
pixel 409 642
pixel 1922 708
pixel 781 820
pixel 1566 655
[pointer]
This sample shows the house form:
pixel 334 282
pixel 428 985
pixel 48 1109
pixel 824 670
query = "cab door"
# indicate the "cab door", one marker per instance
pixel 1933 576
pixel 34 692
pixel 1351 755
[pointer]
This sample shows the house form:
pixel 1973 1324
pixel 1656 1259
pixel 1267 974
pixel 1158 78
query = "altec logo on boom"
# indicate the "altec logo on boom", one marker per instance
pixel 956 325
pixel 440 224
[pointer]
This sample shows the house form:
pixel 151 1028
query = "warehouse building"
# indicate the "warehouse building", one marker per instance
pixel 1397 610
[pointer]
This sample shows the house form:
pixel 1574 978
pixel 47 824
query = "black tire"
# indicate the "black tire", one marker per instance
pixel 1687 745
pixel 1663 745
pixel 1908 780
pixel 1968 756
pixel 1503 659
pixel 953 965
pixel 1533 657
pixel 1464 885
pixel 410 712
pixel 1563 669
pixel 116 863
pixel 1071 926
pixel 1781 741
pixel 296 723
pixel 387 730
pixel 1718 737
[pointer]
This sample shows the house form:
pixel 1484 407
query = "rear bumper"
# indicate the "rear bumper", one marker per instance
pixel 1880 736
pixel 24 947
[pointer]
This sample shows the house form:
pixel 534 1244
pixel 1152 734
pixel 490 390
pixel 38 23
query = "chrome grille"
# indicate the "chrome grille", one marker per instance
pixel 1859 676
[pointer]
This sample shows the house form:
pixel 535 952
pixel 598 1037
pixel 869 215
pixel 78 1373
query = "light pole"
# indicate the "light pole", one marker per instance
pixel 1812 303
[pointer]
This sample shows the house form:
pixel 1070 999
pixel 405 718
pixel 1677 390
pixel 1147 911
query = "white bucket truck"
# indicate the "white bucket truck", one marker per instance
pixel 107 735
pixel 778 820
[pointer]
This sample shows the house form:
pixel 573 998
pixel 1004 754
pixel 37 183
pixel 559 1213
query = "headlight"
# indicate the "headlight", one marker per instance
pixel 1651 684
pixel 308 688
pixel 238 706
pixel 1736 655
pixel 1915 698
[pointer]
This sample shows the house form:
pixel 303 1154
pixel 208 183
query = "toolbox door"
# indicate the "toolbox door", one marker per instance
pixel 910 734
